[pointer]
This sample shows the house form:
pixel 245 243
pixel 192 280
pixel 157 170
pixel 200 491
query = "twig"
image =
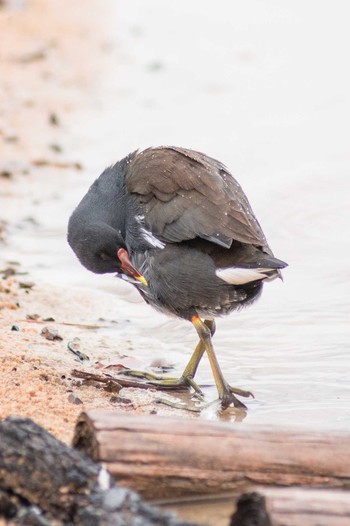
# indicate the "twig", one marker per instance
pixel 122 381
pixel 81 325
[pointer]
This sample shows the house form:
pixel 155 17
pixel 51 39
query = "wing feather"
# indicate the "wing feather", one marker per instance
pixel 185 194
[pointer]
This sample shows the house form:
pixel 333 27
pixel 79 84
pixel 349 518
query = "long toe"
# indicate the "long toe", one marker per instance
pixel 163 382
pixel 241 392
pixel 177 383
pixel 139 374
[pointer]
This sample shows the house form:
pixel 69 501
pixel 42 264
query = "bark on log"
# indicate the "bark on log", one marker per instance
pixel 43 482
pixel 168 457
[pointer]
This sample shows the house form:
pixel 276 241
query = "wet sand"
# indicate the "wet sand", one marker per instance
pixel 49 76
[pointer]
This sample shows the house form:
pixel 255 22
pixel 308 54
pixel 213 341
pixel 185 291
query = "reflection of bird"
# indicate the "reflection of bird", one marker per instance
pixel 177 225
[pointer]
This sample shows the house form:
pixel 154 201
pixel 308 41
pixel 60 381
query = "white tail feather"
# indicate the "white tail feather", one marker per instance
pixel 240 276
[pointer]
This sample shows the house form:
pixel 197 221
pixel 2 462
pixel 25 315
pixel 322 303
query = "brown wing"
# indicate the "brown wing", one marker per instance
pixel 185 194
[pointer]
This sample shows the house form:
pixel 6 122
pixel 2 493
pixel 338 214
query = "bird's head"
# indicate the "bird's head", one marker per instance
pixel 101 249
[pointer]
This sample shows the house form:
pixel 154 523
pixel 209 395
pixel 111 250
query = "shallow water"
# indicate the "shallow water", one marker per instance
pixel 237 84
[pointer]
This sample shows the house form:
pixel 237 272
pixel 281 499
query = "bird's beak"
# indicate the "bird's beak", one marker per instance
pixel 141 279
pixel 128 268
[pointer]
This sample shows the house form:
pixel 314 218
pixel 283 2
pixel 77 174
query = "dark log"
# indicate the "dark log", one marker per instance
pixel 43 482
pixel 170 457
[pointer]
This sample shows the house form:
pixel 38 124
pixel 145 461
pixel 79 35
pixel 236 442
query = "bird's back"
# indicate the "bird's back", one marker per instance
pixel 206 250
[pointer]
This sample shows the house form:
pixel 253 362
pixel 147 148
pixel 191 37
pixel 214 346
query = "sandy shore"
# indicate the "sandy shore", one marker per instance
pixel 49 72
pixel 35 371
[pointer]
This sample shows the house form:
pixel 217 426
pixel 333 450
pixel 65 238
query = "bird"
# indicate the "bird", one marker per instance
pixel 176 224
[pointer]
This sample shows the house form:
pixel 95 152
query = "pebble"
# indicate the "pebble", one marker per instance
pixel 74 399
pixel 51 334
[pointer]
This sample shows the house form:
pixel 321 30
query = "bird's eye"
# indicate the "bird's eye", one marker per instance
pixel 104 256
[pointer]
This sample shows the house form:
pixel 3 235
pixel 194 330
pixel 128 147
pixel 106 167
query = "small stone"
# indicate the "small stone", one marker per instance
pixel 33 317
pixel 74 399
pixel 26 285
pixel 112 387
pixel 53 119
pixel 51 334
pixel 7 272
pixel 57 148
pixel 6 174
pixel 120 400
pixel 14 328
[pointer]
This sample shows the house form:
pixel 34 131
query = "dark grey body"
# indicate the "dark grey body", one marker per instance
pixel 182 282
pixel 181 216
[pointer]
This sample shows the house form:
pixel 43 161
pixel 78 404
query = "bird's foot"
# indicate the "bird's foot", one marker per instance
pixel 208 410
pixel 227 394
pixel 228 398
pixel 163 382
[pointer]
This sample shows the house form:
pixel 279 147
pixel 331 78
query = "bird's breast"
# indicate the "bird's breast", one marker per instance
pixel 181 279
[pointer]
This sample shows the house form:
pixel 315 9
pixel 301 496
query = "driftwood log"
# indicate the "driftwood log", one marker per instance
pixel 306 507
pixel 43 482
pixel 171 457
pixel 293 507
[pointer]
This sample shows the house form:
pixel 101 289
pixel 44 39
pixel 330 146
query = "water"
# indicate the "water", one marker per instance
pixel 265 88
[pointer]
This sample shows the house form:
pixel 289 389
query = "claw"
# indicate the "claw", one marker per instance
pixel 228 398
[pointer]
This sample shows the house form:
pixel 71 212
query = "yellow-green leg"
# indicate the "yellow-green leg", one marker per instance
pixel 186 379
pixel 225 391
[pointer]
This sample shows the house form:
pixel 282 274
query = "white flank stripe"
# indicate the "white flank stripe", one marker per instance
pixel 239 276
pixel 151 239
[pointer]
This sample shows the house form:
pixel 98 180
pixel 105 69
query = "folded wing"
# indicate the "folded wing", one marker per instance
pixel 182 194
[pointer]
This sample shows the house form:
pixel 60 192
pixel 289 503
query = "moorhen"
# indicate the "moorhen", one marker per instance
pixel 177 225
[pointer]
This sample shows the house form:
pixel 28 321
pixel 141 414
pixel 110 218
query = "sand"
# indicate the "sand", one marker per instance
pixel 48 77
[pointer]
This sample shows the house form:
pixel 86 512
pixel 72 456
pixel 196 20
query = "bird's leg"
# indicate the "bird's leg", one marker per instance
pixel 186 379
pixel 192 366
pixel 226 392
